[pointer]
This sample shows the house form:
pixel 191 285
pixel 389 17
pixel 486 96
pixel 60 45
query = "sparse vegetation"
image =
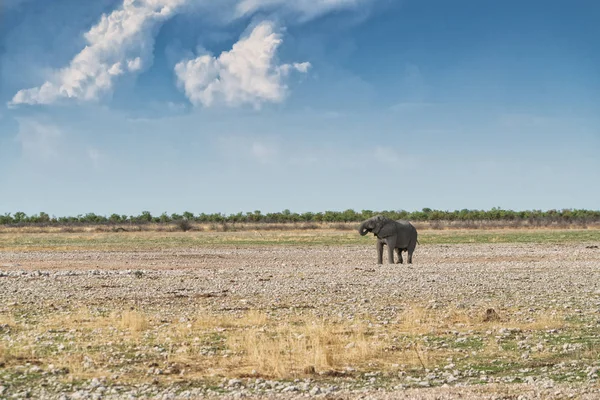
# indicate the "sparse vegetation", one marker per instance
pixel 436 219
pixel 184 224
pixel 256 344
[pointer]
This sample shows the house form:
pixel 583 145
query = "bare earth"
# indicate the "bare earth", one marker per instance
pixel 519 281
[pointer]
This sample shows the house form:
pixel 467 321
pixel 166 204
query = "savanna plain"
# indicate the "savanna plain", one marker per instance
pixel 488 313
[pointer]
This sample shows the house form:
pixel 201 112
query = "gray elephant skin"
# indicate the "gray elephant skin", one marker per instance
pixel 396 235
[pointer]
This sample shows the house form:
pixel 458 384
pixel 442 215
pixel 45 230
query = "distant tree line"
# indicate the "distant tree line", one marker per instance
pixel 286 216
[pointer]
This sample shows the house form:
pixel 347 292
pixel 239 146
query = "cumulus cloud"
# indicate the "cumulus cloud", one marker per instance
pixel 121 42
pixel 246 74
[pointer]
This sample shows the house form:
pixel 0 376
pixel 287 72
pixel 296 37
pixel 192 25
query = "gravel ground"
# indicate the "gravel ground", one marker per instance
pixel 340 281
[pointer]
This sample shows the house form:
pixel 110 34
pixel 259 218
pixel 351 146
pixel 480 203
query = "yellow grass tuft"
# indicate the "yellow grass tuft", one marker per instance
pixel 7 322
pixel 306 345
pixel 417 319
pixel 134 321
pixel 206 320
pixel 4 355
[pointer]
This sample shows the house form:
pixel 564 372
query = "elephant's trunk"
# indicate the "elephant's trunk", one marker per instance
pixel 362 229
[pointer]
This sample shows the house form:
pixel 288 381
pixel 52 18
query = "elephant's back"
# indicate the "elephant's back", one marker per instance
pixel 407 226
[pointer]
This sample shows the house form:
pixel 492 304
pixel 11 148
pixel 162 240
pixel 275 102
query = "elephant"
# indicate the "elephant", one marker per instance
pixel 397 235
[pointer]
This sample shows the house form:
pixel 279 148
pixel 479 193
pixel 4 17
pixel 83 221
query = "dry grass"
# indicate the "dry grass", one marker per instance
pixel 90 343
pixel 290 226
pixel 305 347
pixel 23 241
pixel 134 321
pixel 7 321
pixel 418 319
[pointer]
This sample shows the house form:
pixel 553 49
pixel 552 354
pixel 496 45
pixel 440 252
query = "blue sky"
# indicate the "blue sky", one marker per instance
pixel 184 105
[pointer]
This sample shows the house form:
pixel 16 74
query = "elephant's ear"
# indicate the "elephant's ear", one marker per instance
pixel 381 226
pixel 388 228
pixel 376 223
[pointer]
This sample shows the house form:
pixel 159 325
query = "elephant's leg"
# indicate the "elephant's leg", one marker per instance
pixel 390 254
pixel 400 260
pixel 411 247
pixel 410 250
pixel 379 252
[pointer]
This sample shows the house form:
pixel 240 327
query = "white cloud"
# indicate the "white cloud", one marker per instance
pixel 307 9
pixel 125 36
pixel 176 107
pixel 121 43
pixel 246 74
pixel 115 69
pixel 302 67
pixel 39 141
pixel 135 64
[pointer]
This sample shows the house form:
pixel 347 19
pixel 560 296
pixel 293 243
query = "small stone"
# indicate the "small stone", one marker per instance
pixel 315 391
pixel 234 382
pixel 547 383
pixel 95 383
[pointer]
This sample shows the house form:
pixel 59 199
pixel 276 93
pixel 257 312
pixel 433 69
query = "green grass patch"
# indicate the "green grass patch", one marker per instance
pixel 469 343
pixel 511 236
pixel 170 240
